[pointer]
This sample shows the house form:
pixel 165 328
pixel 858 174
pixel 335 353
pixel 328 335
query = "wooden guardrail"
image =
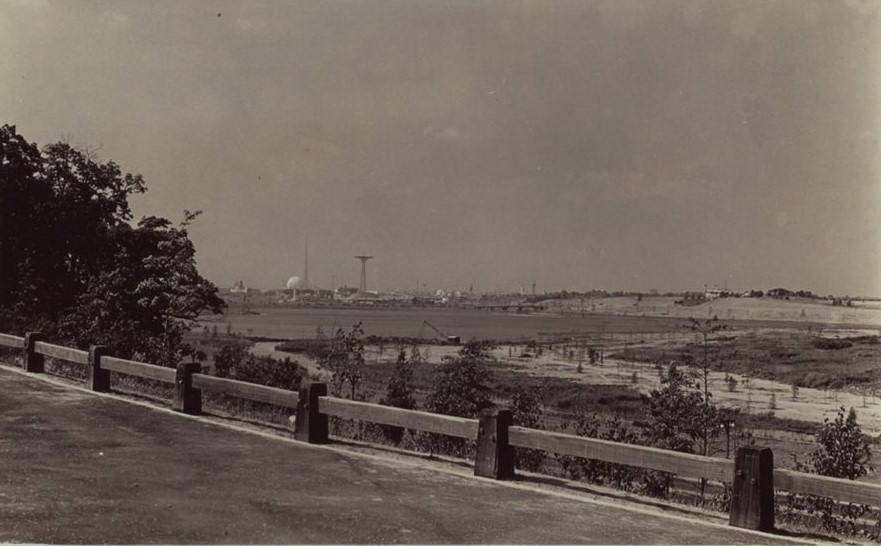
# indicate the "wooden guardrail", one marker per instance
pixel 248 391
pixel 14 342
pixel 682 464
pixel 138 369
pixel 751 474
pixel 386 415
pixel 60 352
pixel 823 486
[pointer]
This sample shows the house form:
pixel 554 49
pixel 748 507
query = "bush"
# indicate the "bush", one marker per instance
pixel 462 389
pixel 843 452
pixel 399 394
pixel 629 478
pixel 234 362
pixel 526 410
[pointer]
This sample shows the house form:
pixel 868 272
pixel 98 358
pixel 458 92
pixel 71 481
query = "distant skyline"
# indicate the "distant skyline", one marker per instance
pixel 607 144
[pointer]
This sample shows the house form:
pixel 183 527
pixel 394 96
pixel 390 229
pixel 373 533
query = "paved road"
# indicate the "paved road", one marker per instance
pixel 80 468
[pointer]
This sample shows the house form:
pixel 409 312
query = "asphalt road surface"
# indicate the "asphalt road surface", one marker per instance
pixel 76 467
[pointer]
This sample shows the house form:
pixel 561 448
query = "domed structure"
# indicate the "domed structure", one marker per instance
pixel 292 282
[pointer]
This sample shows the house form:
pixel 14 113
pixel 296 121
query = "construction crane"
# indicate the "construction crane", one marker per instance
pixel 448 339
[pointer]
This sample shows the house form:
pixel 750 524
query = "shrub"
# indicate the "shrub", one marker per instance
pixel 235 362
pixel 462 389
pixel 625 477
pixel 399 393
pixel 843 452
pixel 526 410
pixel 679 416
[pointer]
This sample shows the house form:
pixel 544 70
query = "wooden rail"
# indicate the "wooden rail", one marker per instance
pixel 386 415
pixel 138 369
pixel 62 353
pixel 822 486
pixel 681 464
pixel 249 391
pixel 15 342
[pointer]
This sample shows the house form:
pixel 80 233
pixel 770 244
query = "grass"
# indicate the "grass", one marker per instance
pixel 794 358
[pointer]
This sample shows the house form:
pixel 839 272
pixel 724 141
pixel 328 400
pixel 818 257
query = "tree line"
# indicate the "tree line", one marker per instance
pixel 76 266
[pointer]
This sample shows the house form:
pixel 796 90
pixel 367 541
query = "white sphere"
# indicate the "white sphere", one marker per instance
pixel 293 282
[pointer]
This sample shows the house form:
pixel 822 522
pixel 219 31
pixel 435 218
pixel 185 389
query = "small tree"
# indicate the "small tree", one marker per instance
pixel 679 417
pixel 844 451
pixel 732 383
pixel 228 358
pixel 462 389
pixel 345 360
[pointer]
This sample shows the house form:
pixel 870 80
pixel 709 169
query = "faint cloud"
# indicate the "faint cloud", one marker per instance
pixel 116 20
pixel 746 22
pixel 32 4
pixel 448 134
pixel 782 219
pixel 693 13
pixel 248 25
pixel 863 7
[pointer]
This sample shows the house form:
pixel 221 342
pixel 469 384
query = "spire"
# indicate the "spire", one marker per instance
pixel 306 267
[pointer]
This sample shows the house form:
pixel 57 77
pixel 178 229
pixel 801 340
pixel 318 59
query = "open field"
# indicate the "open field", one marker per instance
pixel 760 309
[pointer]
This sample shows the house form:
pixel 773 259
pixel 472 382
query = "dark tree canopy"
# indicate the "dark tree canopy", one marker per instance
pixel 73 266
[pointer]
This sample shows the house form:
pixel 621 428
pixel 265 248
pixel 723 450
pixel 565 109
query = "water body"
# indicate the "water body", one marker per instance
pixel 300 322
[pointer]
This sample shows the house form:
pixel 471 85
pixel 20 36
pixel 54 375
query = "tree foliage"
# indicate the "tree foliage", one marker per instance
pixel 844 450
pixel 399 393
pixel 73 265
pixel 462 387
pixel 679 416
pixel 345 360
pixel 400 388
pixel 235 362
pixel 526 411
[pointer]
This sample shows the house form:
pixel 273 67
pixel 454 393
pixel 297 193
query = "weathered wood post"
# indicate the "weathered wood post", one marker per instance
pixel 311 426
pixel 752 495
pixel 495 456
pixel 33 362
pixel 186 398
pixel 96 378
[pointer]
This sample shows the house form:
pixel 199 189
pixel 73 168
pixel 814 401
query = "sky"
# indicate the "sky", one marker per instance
pixel 585 144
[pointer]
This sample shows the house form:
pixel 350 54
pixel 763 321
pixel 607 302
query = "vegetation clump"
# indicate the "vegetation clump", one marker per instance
pixel 74 265
pixel 843 452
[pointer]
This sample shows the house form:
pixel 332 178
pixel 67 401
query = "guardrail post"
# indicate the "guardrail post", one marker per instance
pixel 495 456
pixel 186 398
pixel 97 379
pixel 33 362
pixel 752 495
pixel 311 425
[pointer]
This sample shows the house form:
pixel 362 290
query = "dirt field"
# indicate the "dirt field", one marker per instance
pixel 797 310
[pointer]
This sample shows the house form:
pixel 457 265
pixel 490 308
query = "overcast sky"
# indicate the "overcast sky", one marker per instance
pixel 584 144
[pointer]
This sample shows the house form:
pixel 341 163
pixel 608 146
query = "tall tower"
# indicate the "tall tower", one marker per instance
pixel 306 267
pixel 363 259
